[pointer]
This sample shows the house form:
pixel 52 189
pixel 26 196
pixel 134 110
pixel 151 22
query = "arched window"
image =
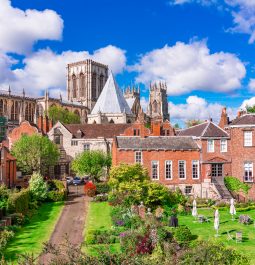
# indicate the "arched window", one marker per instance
pixel 39 110
pixel 27 113
pixel 94 85
pixel 101 83
pixel 155 106
pixel 12 111
pixel 16 111
pixel 82 85
pixel 111 121
pixel 1 107
pixel 74 86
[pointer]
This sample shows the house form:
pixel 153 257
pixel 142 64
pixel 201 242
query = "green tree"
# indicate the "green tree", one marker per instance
pixel 38 187
pixel 60 114
pixel 91 163
pixel 35 153
pixel 194 122
pixel 250 109
pixel 177 126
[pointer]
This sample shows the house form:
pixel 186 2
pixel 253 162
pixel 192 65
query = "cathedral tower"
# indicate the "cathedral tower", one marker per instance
pixel 158 104
pixel 132 96
pixel 85 81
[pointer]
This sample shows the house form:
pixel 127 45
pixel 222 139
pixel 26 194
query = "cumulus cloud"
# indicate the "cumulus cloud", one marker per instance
pixel 251 84
pixel 19 29
pixel 189 67
pixel 46 69
pixel 248 102
pixel 197 108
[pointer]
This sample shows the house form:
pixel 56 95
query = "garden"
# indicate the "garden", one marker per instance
pixel 133 220
pixel 28 216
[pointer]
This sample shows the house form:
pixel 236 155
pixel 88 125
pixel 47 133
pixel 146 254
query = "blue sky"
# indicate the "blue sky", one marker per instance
pixel 203 49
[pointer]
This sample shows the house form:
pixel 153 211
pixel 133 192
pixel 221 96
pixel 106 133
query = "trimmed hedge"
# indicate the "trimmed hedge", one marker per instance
pixel 18 202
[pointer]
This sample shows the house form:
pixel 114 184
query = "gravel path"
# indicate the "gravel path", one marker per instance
pixel 71 222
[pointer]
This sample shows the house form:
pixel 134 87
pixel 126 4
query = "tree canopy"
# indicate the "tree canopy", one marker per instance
pixel 60 114
pixel 194 122
pixel 91 163
pixel 250 109
pixel 35 153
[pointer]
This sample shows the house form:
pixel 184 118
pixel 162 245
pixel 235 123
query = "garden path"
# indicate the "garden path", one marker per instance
pixel 71 222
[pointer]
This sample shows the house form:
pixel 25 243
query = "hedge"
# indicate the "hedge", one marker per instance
pixel 18 202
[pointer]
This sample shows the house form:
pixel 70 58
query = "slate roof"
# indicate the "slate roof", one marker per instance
pixel 90 131
pixel 111 99
pixel 206 129
pixel 156 143
pixel 245 119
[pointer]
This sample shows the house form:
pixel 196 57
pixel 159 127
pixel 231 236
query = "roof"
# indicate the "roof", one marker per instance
pixel 206 129
pixel 111 99
pixel 245 119
pixel 90 131
pixel 157 143
pixel 130 102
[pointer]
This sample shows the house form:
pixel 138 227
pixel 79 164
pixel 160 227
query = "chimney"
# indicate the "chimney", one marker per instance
pixel 224 118
pixel 156 127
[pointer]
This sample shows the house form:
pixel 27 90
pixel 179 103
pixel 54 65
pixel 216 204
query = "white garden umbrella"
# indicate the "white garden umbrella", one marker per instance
pixel 217 221
pixel 232 208
pixel 194 209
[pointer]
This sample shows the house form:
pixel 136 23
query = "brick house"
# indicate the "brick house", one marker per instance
pixel 174 161
pixel 7 166
pixel 242 145
pixel 215 157
pixel 73 139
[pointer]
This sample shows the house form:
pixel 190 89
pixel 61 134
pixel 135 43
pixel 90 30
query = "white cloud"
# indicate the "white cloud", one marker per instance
pixel 189 67
pixel 46 69
pixel 251 84
pixel 248 102
pixel 197 108
pixel 19 29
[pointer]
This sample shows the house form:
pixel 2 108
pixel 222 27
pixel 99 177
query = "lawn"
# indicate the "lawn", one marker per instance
pixel 98 217
pixel 30 238
pixel 206 230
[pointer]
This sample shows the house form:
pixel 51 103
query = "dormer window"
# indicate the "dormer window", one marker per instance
pixel 57 139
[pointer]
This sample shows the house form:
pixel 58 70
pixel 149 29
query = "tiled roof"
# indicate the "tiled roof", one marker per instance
pixel 111 99
pixel 245 119
pixel 157 143
pixel 206 129
pixel 90 131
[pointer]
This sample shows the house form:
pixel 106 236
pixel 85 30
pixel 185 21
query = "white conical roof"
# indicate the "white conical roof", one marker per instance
pixel 111 99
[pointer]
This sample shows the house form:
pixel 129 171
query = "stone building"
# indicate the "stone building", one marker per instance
pixel 132 96
pixel 73 139
pixel 111 106
pixel 85 81
pixel 158 104
pixel 18 108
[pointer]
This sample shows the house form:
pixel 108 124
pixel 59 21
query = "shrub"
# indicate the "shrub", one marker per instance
pixel 38 187
pixel 102 188
pixel 90 189
pixel 101 237
pixel 18 202
pixel 5 236
pixel 182 235
pixel 57 191
pixel 101 198
pixel 235 185
pixel 18 219
pixel 4 195
pixel 213 253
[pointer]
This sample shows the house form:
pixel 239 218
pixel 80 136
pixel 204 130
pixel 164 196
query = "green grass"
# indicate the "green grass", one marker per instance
pixel 98 217
pixel 30 238
pixel 206 231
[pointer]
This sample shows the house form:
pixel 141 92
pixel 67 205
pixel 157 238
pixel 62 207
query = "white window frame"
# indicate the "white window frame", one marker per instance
pixel 179 162
pixel 247 142
pixel 152 172
pixel 248 165
pixel 86 149
pixel 210 141
pixel 136 161
pixel 195 162
pixel 223 143
pixel 169 162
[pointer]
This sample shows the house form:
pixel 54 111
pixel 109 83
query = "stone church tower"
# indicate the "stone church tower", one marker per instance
pixel 132 96
pixel 85 81
pixel 158 104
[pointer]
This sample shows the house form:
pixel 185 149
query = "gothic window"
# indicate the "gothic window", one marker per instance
pixel 39 110
pixel 74 86
pixel 16 111
pixel 101 83
pixel 94 85
pixel 155 106
pixel 26 113
pixel 82 85
pixel 1 108
pixel 12 111
pixel 111 121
